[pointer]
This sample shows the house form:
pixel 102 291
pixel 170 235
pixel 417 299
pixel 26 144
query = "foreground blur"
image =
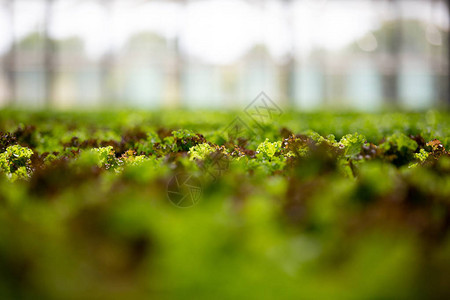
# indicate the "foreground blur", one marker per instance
pixel 85 214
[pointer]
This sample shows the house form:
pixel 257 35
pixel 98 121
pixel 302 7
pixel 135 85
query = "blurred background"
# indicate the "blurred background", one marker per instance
pixel 308 54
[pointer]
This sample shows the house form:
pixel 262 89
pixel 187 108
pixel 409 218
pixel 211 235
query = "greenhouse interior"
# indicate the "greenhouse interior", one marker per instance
pixel 224 149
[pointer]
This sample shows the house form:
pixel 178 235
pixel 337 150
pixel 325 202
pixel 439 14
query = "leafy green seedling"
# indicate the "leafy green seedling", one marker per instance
pixel 106 157
pixel 352 144
pixel 200 151
pixel 267 150
pixel 15 162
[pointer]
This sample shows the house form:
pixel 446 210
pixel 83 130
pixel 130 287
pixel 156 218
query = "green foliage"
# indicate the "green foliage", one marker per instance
pixel 105 157
pixel 200 151
pixel 399 148
pixel 15 162
pixel 271 166
pixel 134 160
pixel 317 138
pixel 147 146
pixel 102 157
pixel 300 210
pixel 183 140
pixel 183 134
pixel 401 142
pixel 268 159
pixel 267 150
pixel 421 156
pixel 352 144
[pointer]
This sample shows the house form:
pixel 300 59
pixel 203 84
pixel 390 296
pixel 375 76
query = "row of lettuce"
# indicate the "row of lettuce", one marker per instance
pixel 192 152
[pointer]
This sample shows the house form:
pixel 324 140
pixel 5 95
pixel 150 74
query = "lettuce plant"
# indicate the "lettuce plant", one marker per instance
pixel 15 162
pixel 200 151
pixel 106 157
pixel 352 144
pixel 267 150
